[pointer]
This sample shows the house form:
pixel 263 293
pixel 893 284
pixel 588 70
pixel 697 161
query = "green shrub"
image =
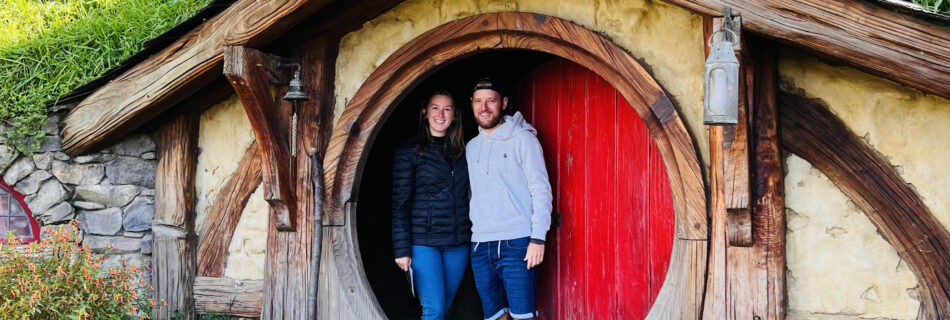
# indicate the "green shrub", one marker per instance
pixel 941 6
pixel 60 278
pixel 48 48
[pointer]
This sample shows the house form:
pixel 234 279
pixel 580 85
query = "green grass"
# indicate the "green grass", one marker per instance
pixel 942 6
pixel 48 48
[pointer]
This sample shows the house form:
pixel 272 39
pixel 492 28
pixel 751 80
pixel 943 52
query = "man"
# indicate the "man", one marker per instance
pixel 510 207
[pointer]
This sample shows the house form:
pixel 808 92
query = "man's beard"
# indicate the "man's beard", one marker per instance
pixel 493 122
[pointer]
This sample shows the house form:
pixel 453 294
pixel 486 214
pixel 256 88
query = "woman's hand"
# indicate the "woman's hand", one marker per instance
pixel 404 263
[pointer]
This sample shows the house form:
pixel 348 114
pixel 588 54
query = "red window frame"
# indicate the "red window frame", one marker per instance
pixel 35 227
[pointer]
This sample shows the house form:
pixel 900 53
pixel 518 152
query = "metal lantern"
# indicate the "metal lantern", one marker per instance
pixel 721 99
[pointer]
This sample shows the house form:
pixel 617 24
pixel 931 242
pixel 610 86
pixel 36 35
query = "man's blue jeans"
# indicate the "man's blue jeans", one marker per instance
pixel 503 279
pixel 438 272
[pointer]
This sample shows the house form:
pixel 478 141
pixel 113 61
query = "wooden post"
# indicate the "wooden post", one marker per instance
pixel 753 263
pixel 248 71
pixel 173 254
pixel 288 287
pixel 768 191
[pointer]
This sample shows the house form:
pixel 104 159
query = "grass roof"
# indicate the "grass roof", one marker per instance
pixel 49 47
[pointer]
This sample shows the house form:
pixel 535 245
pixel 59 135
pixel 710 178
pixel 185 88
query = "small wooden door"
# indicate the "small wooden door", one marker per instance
pixel 609 257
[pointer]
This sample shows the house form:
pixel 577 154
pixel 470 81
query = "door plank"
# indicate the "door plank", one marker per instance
pixel 632 143
pixel 600 175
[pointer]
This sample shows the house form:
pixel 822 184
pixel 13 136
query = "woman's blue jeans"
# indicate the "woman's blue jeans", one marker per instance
pixel 438 272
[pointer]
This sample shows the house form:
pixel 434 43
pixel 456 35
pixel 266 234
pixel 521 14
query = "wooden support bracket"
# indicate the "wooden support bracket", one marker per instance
pixel 250 71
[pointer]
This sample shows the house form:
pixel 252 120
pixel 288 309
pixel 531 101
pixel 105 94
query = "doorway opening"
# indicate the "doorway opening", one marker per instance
pixel 374 209
pixel 610 243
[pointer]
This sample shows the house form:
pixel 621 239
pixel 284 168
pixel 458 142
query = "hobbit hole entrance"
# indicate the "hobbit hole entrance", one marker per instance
pixel 610 254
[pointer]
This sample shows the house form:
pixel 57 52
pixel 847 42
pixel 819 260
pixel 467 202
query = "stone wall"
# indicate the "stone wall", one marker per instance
pixel 110 192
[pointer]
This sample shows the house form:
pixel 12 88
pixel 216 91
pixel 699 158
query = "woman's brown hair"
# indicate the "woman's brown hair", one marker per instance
pixel 455 146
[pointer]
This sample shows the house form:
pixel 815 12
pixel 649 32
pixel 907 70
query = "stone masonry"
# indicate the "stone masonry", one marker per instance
pixel 110 192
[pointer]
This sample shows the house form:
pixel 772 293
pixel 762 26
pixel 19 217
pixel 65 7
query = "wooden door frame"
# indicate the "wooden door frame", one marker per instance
pixel 344 290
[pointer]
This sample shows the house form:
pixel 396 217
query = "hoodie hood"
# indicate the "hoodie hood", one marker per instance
pixel 509 128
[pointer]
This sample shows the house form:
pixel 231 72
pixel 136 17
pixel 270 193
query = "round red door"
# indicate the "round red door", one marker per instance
pixel 609 257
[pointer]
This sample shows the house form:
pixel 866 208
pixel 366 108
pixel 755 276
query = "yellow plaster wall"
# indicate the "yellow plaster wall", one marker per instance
pixel 224 135
pixel 910 128
pixel 246 254
pixel 666 38
pixel 839 266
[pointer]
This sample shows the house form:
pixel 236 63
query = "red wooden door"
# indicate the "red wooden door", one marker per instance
pixel 609 258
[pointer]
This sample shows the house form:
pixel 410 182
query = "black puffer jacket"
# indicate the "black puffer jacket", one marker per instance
pixel 430 198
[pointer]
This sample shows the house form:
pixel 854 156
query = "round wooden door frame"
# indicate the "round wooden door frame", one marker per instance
pixel 682 292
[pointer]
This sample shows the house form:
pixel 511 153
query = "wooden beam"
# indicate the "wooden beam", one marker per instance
pixel 164 79
pixel 173 257
pixel 218 295
pixel 888 44
pixel 333 21
pixel 714 305
pixel 768 191
pixel 288 283
pixel 246 68
pixel 812 132
pixel 226 212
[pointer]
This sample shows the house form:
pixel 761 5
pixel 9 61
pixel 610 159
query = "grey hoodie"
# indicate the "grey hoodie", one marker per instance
pixel 511 194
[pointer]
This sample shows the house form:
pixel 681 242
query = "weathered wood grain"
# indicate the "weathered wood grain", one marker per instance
pixel 226 212
pixel 714 305
pixel 877 40
pixel 217 295
pixel 812 132
pixel 246 68
pixel 173 257
pixel 736 138
pixel 768 187
pixel 344 291
pixel 319 60
pixel 176 72
pixel 333 21
pixel 681 296
pixel 288 283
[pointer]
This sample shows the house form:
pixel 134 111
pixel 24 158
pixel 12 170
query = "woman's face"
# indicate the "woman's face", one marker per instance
pixel 440 114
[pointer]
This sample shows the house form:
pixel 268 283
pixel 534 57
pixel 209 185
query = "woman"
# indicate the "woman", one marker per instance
pixel 431 228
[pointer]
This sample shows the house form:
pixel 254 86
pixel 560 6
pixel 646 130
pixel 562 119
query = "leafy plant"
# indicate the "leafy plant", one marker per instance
pixel 941 6
pixel 49 48
pixel 60 278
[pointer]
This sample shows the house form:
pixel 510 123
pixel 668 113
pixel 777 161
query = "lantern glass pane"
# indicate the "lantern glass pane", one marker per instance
pixel 718 91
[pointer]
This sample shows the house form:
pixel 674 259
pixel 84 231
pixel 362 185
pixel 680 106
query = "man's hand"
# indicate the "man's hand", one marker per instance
pixel 535 255
pixel 404 263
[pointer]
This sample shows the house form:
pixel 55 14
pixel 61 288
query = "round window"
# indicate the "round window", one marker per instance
pixel 16 217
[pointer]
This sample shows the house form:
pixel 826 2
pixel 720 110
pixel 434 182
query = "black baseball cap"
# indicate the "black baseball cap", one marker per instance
pixel 487 83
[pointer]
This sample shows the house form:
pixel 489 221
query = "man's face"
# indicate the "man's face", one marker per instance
pixel 487 106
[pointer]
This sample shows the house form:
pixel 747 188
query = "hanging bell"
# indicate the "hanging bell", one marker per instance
pixel 295 92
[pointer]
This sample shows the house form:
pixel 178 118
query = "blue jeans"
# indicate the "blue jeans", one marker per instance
pixel 503 279
pixel 438 272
